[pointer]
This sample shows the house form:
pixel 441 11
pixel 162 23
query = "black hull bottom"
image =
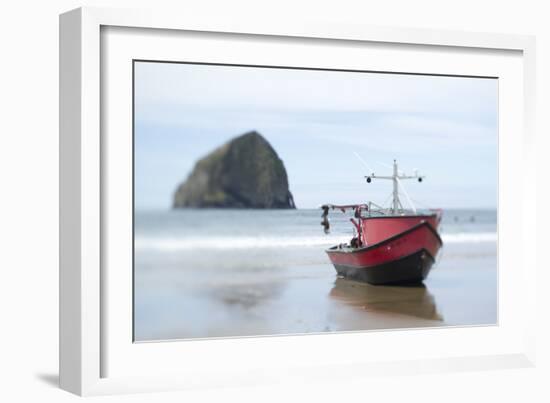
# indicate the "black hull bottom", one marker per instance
pixel 407 270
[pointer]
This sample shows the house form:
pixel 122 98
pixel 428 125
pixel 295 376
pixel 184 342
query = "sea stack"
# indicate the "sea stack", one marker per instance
pixel 245 172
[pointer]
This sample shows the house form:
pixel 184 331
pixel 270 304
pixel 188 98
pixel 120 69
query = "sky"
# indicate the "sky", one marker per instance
pixel 319 122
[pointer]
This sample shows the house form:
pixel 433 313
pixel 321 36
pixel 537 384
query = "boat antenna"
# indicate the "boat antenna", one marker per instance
pixel 396 178
pixel 389 166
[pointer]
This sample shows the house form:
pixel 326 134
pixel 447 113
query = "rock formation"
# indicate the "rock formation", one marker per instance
pixel 246 172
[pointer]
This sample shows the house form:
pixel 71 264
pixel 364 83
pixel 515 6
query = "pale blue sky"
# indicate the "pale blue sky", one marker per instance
pixel 446 127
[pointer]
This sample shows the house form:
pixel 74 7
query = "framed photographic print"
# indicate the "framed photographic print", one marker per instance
pixel 244 202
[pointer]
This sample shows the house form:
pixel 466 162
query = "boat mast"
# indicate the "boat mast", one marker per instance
pixel 396 203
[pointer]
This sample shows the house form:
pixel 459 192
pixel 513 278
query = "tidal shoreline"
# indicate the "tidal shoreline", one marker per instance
pixel 179 303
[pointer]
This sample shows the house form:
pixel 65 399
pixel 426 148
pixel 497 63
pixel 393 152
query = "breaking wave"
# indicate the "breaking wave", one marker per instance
pixel 242 242
pixel 247 242
pixel 469 237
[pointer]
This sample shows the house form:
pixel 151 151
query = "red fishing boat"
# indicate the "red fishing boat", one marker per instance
pixel 390 245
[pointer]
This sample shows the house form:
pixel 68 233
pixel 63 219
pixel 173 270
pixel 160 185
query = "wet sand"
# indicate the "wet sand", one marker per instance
pixel 174 303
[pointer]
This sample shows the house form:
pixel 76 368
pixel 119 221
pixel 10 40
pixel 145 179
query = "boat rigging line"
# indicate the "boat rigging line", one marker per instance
pixel 406 195
pixel 364 162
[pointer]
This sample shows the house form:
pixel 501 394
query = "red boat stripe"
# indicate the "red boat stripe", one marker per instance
pixel 421 236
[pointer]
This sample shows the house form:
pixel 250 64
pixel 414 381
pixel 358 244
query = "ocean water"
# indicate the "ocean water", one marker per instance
pixel 221 272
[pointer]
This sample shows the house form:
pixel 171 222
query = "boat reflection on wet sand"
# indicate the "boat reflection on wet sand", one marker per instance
pixel 412 300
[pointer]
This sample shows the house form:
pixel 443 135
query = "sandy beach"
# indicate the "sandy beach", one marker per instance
pixel 229 292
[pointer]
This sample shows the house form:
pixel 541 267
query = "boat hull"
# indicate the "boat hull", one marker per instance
pixel 406 257
pixel 406 270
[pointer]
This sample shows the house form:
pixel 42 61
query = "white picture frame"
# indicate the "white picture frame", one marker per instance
pixel 86 346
